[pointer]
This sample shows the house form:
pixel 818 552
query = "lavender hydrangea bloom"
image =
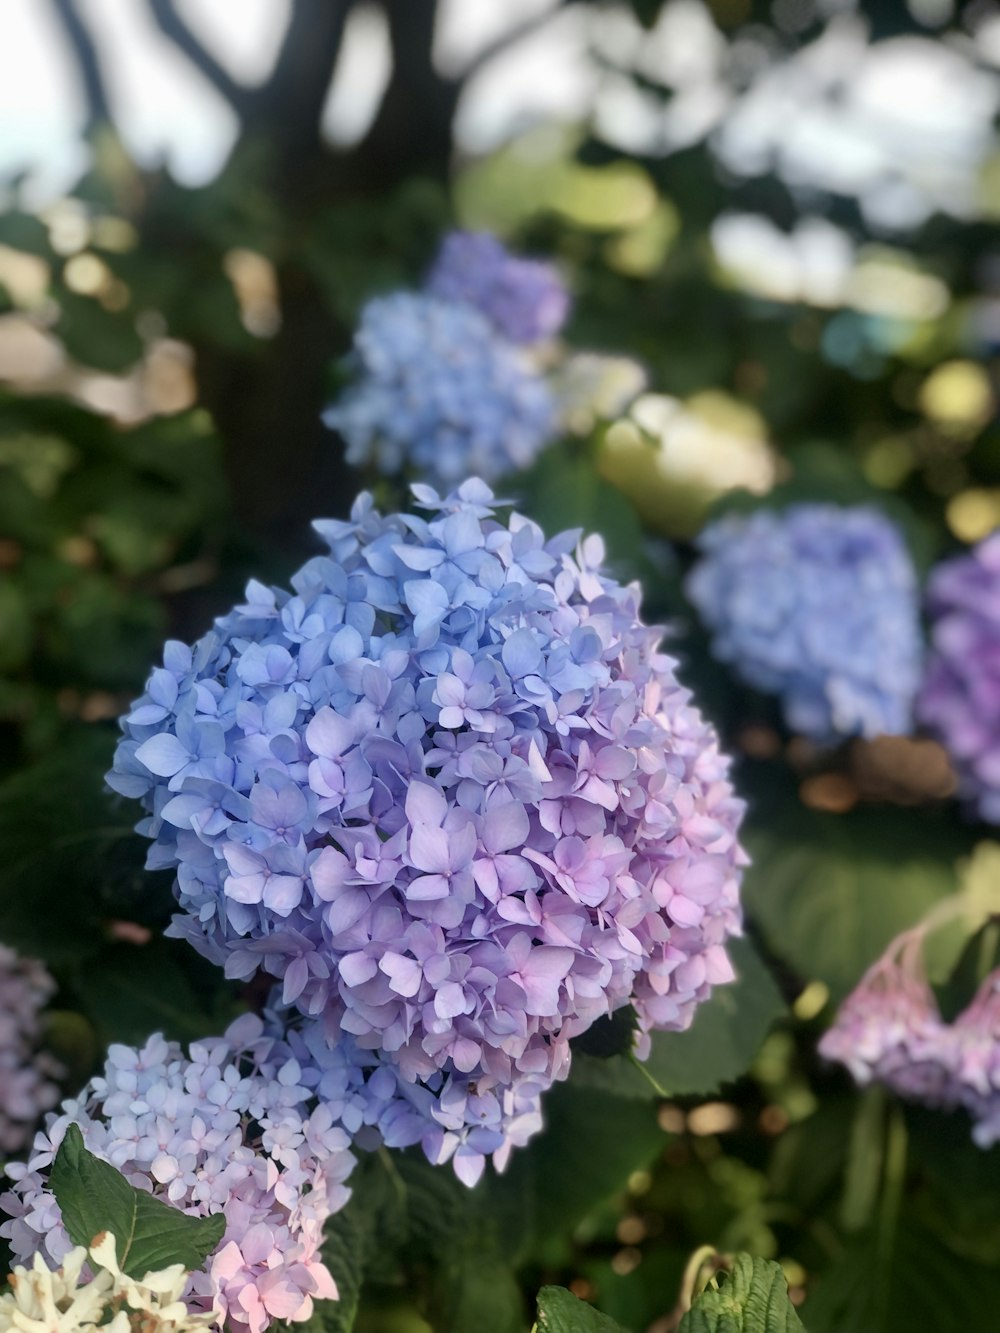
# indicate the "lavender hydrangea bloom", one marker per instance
pixel 525 299
pixel 26 1089
pixel 974 1050
pixel 451 796
pixel 889 1029
pixel 440 393
pixel 960 696
pixel 231 1128
pixel 817 604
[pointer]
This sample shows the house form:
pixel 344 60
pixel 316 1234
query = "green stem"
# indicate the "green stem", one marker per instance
pixel 893 1182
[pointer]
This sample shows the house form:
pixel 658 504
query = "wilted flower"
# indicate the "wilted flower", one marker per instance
pixel 889 1029
pixel 439 392
pixel 960 696
pixel 975 1061
pixel 817 604
pixel 26 1089
pixel 231 1128
pixel 449 793
pixel 524 299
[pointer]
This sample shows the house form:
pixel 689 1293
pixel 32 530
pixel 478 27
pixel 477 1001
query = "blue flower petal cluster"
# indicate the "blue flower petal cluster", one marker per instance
pixel 446 791
pixel 524 299
pixel 817 604
pixel 231 1127
pixel 440 393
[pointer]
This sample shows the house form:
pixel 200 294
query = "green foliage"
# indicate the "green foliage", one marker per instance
pixel 749 1297
pixel 830 891
pixel 94 1197
pixel 717 1049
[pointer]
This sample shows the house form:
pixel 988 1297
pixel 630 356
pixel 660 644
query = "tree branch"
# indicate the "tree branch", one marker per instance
pixel 412 131
pixel 176 30
pixel 88 63
pixel 291 102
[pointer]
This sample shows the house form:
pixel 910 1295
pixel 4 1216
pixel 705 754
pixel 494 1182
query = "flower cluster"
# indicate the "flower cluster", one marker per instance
pixel 817 604
pixel 25 1073
pixel 449 793
pixel 960 697
pixel 226 1129
pixel 524 299
pixel 44 1300
pixel 889 1030
pixel 440 392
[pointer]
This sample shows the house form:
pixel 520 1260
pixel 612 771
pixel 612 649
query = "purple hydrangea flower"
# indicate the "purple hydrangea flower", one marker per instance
pixel 461 810
pixel 889 1029
pixel 440 393
pixel 817 604
pixel 960 696
pixel 524 299
pixel 234 1127
pixel 26 1089
pixel 975 1061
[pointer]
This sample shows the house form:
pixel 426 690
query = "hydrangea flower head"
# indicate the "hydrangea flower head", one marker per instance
pixel 975 1061
pixel 233 1128
pixel 26 1089
pixel 817 604
pixel 440 393
pixel 524 299
pixel 61 1300
pixel 960 696
pixel 889 1029
pixel 450 795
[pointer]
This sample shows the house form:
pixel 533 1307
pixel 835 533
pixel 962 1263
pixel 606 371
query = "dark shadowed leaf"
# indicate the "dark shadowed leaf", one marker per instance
pixel 95 1197
pixel 559 1311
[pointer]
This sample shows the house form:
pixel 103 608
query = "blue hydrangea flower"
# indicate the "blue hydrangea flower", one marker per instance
pixel 817 604
pixel 449 794
pixel 524 299
pixel 440 394
pixel 234 1126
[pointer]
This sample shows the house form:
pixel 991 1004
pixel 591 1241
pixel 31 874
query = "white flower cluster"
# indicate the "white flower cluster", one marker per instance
pixel 62 1300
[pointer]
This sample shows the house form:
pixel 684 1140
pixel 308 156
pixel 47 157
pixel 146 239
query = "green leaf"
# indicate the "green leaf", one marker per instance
pixel 559 1311
pixel 94 1197
pixel 591 1144
pixel 918 1282
pixel 831 891
pixel 455 1252
pixel 345 1253
pixel 718 1048
pixel 751 1297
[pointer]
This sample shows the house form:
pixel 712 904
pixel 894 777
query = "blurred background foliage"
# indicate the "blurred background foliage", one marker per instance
pixel 785 212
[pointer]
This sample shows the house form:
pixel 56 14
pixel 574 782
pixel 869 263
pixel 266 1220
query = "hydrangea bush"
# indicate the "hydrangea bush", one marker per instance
pixel 960 696
pixel 232 1127
pixel 819 605
pixel 450 794
pixel 26 1074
